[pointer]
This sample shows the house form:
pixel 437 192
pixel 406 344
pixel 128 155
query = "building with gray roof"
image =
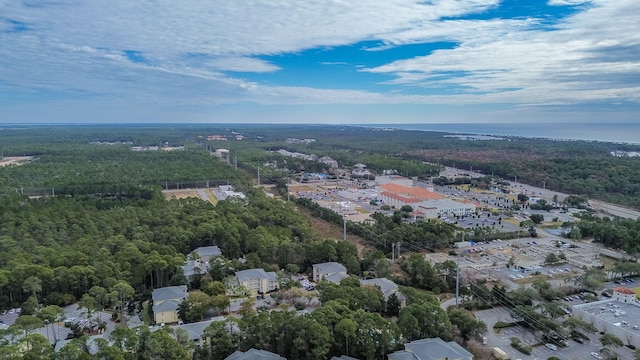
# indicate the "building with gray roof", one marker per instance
pixel 166 301
pixel 196 330
pixel 619 315
pixel 192 268
pixel 253 354
pixel 208 252
pixel 431 349
pixel 257 281
pixel 324 270
pixel 387 287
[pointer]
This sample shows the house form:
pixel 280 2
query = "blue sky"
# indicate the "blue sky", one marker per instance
pixel 330 61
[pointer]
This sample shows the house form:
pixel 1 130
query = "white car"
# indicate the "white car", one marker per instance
pixel 596 355
pixel 551 346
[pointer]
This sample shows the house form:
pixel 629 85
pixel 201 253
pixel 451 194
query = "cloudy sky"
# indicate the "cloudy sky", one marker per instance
pixel 320 61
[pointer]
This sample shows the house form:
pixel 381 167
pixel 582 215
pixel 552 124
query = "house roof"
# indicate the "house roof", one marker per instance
pixel 403 355
pixel 190 266
pixel 167 305
pixel 196 330
pixel 336 277
pixel 387 287
pixel 329 268
pixel 253 354
pixel 170 293
pixel 246 275
pixel 90 344
pixel 432 349
pixel 208 251
pixel 624 290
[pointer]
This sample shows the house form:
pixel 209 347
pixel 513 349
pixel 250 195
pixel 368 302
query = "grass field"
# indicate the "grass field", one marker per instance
pixel 189 193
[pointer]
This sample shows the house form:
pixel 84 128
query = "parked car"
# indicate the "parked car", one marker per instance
pixel 596 355
pixel 551 346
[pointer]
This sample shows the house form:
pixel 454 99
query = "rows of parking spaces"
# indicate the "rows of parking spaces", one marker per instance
pixel 502 339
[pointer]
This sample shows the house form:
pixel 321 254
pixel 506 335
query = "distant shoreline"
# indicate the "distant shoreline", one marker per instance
pixel 600 132
pixel 619 133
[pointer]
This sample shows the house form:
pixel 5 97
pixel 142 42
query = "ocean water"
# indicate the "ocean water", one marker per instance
pixel 616 133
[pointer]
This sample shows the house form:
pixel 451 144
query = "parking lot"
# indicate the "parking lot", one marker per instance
pixel 502 339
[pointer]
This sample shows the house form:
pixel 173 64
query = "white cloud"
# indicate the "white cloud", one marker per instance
pixel 80 45
pixel 566 64
pixel 78 48
pixel 242 64
pixel 567 2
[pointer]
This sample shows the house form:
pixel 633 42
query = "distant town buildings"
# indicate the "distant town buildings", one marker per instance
pixel 300 141
pixel 360 170
pixel 298 155
pixel 216 138
pixel 226 191
pixel 394 179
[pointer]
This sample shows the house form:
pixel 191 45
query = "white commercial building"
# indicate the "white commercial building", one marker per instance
pixel 619 315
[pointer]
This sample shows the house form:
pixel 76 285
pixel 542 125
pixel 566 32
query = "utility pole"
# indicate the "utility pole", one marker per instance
pixel 344 217
pixel 457 283
pixel 393 251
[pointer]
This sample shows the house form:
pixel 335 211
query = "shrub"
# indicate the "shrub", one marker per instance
pixel 518 345
pixel 502 324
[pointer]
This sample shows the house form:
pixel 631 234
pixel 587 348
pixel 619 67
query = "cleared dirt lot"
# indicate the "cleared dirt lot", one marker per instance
pixel 180 194
pixel 204 194
pixel 18 160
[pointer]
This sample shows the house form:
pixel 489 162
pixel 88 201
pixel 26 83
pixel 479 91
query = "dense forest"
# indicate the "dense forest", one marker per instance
pixel 585 168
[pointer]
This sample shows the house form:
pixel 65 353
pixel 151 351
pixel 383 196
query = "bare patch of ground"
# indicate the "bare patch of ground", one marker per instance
pixel 180 194
pixel 335 232
pixel 303 188
pixel 190 193
pixel 16 160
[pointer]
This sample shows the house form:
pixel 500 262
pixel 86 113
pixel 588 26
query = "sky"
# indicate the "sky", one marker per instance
pixel 326 61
